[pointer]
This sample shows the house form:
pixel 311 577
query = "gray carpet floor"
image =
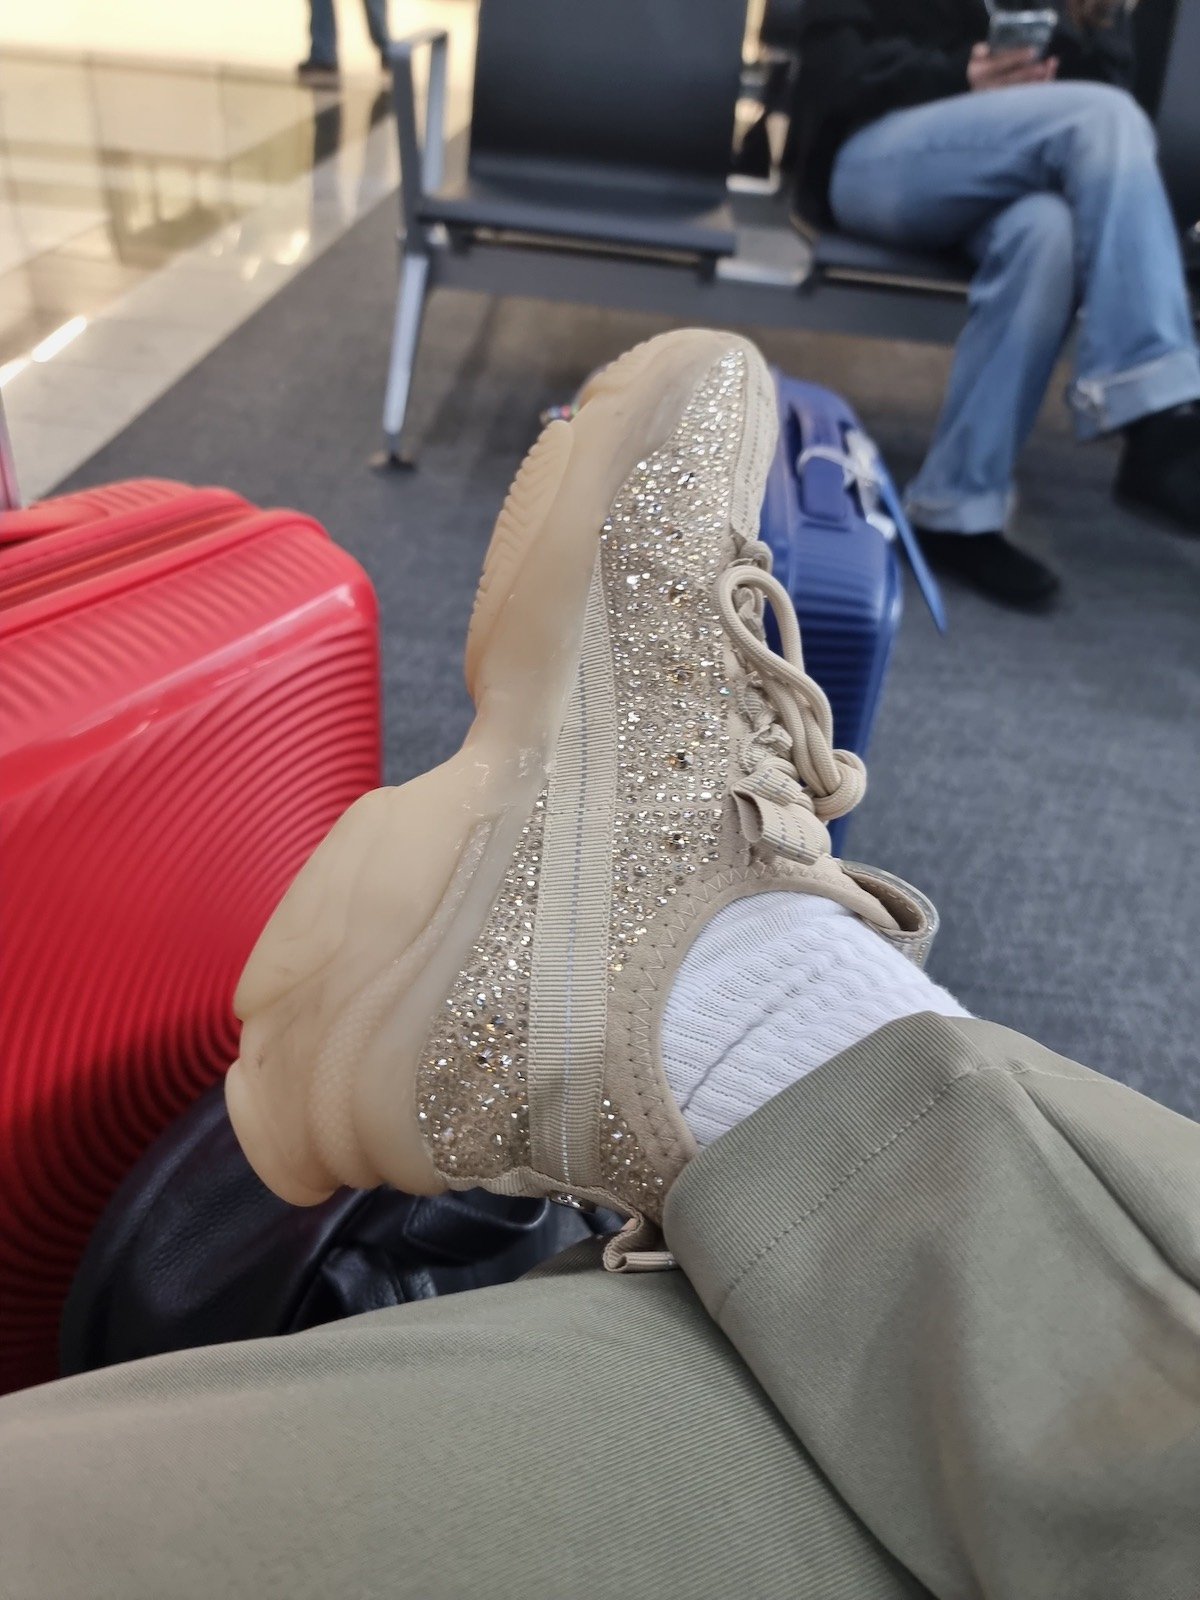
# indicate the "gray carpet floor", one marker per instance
pixel 1040 777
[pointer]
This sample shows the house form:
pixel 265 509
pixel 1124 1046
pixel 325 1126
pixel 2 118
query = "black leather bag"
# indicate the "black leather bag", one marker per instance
pixel 193 1250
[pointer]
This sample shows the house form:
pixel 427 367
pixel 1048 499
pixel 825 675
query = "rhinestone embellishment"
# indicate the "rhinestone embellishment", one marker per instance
pixel 661 550
pixel 471 1090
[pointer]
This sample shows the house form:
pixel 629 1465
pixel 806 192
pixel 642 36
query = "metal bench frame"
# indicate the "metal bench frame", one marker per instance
pixel 733 291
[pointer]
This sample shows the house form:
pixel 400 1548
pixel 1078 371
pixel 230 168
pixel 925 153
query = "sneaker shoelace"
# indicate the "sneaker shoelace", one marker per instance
pixel 791 775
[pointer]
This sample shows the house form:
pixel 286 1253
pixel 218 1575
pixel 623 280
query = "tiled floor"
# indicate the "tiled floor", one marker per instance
pixel 148 206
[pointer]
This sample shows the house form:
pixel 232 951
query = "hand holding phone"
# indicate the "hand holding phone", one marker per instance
pixel 992 69
pixel 1022 30
pixel 1015 51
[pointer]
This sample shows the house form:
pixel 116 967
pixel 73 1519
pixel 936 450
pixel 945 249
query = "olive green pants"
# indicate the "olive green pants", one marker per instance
pixel 937 1331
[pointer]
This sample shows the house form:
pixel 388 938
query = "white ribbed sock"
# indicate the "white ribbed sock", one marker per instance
pixel 775 985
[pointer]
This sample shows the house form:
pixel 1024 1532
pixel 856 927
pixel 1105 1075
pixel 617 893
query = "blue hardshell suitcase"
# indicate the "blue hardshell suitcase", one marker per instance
pixel 835 527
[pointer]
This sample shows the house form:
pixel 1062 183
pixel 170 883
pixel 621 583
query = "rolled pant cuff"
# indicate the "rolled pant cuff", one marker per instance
pixel 973 513
pixel 1102 404
pixel 773 1174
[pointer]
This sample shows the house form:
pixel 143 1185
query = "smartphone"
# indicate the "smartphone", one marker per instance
pixel 1022 30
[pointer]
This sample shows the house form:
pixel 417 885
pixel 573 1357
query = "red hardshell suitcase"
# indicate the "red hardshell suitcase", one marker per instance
pixel 189 698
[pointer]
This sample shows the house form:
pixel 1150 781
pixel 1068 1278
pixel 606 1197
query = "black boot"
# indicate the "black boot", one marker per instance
pixel 1159 475
pixel 992 565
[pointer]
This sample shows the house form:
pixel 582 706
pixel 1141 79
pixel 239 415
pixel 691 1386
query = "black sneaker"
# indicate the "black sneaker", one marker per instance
pixel 994 566
pixel 318 72
pixel 1159 475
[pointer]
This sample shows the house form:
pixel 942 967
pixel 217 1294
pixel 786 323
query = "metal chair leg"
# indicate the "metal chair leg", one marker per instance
pixel 406 333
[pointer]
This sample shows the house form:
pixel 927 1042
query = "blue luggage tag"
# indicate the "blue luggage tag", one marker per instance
pixel 926 582
pixel 866 468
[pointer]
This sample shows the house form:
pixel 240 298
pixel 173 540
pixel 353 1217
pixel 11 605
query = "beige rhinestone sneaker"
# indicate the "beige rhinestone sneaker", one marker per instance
pixel 464 986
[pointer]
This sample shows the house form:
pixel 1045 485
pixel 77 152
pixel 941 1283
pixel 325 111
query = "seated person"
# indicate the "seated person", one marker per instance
pixel 910 132
pixel 937 1329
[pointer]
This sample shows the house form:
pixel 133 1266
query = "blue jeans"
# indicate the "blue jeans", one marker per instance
pixel 1054 192
pixel 323 28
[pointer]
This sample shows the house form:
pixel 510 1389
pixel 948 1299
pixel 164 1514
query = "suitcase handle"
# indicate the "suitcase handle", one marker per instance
pixel 821 495
pixel 86 508
pixel 862 465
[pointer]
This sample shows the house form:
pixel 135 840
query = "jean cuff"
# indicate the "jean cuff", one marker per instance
pixel 1114 399
pixel 987 512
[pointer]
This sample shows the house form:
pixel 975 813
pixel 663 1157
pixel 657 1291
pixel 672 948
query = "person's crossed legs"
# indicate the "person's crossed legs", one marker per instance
pixel 1054 190
pixel 937 1329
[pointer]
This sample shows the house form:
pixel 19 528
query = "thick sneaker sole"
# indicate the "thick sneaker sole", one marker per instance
pixel 339 994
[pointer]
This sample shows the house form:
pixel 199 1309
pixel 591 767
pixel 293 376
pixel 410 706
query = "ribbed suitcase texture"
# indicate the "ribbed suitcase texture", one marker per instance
pixel 189 698
pixel 841 568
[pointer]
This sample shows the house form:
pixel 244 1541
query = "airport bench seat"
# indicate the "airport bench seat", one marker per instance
pixel 637 214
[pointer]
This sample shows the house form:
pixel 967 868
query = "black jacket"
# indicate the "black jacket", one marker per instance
pixel 860 59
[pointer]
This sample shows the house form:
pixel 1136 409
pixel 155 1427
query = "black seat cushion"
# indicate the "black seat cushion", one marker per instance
pixel 193 1250
pixel 640 215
